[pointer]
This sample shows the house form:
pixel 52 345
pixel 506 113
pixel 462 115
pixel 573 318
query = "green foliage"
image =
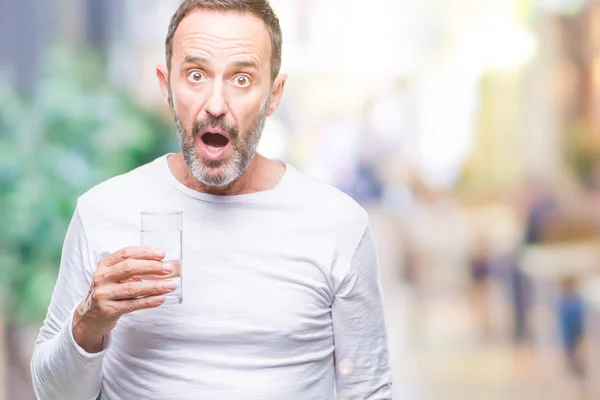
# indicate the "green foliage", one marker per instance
pixel 76 131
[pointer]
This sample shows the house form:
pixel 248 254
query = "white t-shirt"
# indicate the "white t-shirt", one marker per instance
pixel 281 298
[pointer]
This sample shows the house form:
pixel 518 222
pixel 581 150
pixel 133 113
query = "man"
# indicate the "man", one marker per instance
pixel 282 296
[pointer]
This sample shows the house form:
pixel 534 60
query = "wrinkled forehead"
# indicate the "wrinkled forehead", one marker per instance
pixel 221 36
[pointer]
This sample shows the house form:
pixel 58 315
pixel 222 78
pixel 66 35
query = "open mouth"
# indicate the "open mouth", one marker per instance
pixel 214 140
pixel 214 144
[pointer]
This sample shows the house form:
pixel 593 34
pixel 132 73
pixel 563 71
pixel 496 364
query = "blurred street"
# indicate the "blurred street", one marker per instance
pixel 444 346
pixel 469 130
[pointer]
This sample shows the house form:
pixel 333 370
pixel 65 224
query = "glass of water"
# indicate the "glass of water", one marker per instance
pixel 163 230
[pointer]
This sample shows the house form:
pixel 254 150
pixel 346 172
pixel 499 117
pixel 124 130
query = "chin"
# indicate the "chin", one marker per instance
pixel 217 181
pixel 215 176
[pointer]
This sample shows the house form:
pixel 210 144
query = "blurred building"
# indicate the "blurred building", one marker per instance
pixel 35 25
pixel 38 24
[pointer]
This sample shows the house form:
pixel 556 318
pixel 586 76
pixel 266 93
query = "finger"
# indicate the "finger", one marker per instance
pixel 127 306
pixel 133 279
pixel 133 267
pixel 171 269
pixel 139 252
pixel 134 290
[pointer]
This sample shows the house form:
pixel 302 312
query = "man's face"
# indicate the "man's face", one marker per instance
pixel 220 92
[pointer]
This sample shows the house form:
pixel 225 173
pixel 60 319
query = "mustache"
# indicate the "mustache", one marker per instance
pixel 214 122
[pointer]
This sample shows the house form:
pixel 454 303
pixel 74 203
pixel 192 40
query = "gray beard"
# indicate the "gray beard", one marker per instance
pixel 230 169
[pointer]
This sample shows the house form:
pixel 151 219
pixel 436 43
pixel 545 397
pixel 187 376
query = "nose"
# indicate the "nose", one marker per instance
pixel 215 104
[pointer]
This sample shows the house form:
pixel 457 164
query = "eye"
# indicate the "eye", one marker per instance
pixel 242 80
pixel 195 76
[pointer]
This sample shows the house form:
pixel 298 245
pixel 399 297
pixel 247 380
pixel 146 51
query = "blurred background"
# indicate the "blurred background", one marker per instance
pixel 469 129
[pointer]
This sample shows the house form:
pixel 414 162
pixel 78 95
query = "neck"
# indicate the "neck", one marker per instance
pixel 262 174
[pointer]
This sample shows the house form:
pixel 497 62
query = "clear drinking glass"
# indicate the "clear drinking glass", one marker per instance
pixel 163 230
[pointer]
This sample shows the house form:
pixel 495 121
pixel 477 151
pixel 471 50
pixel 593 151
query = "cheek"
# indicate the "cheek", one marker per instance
pixel 187 105
pixel 245 110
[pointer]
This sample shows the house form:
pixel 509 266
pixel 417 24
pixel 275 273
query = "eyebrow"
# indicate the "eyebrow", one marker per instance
pixel 195 60
pixel 198 60
pixel 245 64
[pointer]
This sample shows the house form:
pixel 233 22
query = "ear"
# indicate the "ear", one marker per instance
pixel 278 86
pixel 162 73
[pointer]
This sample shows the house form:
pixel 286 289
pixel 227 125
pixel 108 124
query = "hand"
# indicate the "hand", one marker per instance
pixel 117 289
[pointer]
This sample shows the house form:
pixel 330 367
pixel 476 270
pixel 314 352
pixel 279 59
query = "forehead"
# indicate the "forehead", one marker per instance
pixel 219 34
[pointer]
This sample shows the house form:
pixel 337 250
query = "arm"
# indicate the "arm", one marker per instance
pixel 68 354
pixel 60 368
pixel 360 339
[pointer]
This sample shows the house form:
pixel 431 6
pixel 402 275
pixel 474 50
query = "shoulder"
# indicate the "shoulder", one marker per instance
pixel 340 222
pixel 114 194
pixel 334 208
